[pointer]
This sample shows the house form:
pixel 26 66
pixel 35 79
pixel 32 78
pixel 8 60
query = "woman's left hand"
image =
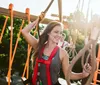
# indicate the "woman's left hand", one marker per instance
pixel 86 70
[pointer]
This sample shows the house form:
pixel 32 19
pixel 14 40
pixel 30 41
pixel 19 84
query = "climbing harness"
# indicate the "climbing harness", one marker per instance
pixel 40 60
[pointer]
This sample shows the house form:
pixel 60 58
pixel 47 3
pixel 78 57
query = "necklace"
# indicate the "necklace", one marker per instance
pixel 45 57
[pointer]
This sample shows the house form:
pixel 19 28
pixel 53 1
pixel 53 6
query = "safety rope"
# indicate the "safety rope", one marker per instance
pixel 42 15
pixel 81 52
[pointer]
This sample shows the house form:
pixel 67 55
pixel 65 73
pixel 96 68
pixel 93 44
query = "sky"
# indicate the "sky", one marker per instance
pixel 37 6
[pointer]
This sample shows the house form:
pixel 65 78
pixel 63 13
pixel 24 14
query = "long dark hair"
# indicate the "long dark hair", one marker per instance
pixel 44 36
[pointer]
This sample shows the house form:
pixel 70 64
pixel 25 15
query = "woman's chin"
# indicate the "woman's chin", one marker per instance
pixel 56 42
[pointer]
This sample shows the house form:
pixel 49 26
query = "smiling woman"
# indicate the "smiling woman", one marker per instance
pixel 46 48
pixel 47 69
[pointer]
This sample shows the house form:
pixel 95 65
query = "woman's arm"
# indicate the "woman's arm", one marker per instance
pixel 28 37
pixel 76 76
pixel 65 65
pixel 65 60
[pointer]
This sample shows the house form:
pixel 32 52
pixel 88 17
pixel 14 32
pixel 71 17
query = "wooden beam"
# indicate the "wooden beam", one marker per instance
pixel 60 10
pixel 6 12
pixel 63 17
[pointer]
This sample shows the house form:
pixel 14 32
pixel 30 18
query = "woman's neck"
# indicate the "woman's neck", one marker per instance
pixel 49 48
pixel 50 45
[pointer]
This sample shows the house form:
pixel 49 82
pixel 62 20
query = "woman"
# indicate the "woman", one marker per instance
pixel 47 68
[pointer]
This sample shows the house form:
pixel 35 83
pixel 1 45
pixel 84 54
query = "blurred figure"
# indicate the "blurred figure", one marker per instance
pixel 62 43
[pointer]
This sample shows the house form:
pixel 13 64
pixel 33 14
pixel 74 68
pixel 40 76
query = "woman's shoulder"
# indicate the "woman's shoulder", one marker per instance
pixel 63 53
pixel 62 50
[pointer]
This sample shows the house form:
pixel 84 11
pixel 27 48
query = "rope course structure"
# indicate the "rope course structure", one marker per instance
pixel 95 80
pixel 90 58
pixel 26 16
pixel 93 62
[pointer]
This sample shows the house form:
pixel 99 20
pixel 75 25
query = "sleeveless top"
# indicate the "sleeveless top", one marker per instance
pixel 54 70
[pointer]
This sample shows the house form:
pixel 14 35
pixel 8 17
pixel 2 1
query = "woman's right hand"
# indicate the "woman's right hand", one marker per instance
pixel 42 15
pixel 26 33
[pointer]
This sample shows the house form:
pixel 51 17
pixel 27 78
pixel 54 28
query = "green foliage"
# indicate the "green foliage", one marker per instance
pixel 21 51
pixel 79 43
pixel 67 34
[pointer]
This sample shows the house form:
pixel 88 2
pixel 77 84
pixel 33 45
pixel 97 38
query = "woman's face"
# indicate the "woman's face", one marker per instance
pixel 55 34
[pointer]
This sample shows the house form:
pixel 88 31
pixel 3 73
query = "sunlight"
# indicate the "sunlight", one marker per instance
pixel 68 6
pixel 95 6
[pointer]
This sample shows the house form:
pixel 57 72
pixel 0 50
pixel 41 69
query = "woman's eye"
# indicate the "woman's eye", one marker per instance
pixel 56 31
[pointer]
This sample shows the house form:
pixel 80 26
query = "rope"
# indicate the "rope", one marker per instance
pixel 93 64
pixel 88 60
pixel 81 52
pixel 48 6
pixel 42 15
